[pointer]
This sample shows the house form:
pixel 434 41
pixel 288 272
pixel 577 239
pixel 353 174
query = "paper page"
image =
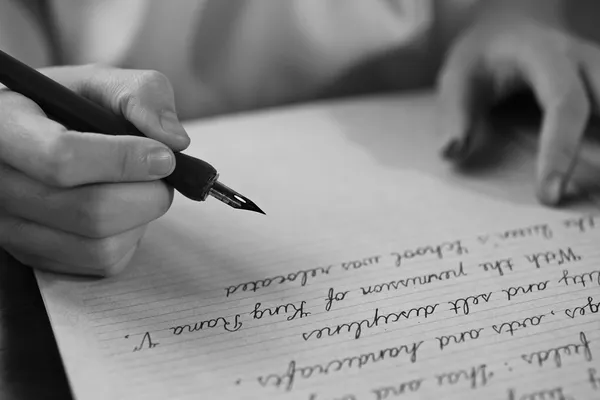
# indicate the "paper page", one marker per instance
pixel 376 274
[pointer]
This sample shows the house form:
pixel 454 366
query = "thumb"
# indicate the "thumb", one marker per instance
pixel 143 97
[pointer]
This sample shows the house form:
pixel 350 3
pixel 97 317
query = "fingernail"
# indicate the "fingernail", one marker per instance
pixel 170 124
pixel 160 162
pixel 552 189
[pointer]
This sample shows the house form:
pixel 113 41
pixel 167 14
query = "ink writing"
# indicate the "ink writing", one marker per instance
pixel 288 378
pixel 582 224
pixel 476 376
pixel 357 264
pixel 386 392
pixel 556 354
pixel 294 311
pixel 520 290
pixel 541 230
pixel 146 342
pixel 498 265
pixel 589 308
pixel 512 326
pixel 302 276
pixel 223 322
pixel 441 250
pixel 544 394
pixel 464 304
pixel 415 281
pixel 378 319
pixel 584 279
pixel 558 257
pixel 334 296
pixel 445 341
pixel 593 378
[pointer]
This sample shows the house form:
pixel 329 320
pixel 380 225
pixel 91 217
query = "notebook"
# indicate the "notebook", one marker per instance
pixel 379 272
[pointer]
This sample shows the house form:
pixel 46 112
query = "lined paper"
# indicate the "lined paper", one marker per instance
pixel 377 273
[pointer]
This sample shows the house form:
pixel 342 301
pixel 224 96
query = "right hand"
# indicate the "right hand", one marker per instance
pixel 77 202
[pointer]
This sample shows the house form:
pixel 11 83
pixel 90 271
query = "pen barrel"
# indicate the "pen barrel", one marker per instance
pixel 196 185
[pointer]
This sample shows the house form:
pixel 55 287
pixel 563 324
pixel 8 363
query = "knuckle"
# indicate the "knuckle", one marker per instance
pixel 127 160
pixel 151 82
pixel 572 102
pixel 12 100
pixel 152 79
pixel 129 97
pixel 105 255
pixel 164 205
pixel 126 101
pixel 12 232
pixel 25 258
pixel 6 193
pixel 93 215
pixel 459 67
pixel 164 201
pixel 58 158
pixel 17 191
pixel 466 45
pixel 448 77
pixel 113 270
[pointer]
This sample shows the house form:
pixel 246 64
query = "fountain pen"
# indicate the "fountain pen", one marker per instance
pixel 194 178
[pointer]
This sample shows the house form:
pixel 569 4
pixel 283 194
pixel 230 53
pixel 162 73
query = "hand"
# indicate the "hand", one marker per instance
pixel 492 60
pixel 78 202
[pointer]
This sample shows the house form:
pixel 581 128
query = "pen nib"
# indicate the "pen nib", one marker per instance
pixel 233 198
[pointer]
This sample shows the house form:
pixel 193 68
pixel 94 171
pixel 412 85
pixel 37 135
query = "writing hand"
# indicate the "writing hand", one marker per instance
pixel 78 202
pixel 494 59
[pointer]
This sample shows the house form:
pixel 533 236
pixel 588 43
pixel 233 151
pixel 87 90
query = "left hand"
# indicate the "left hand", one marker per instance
pixel 492 59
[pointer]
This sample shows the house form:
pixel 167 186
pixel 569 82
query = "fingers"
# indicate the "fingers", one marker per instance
pixel 42 247
pixel 560 91
pixel 541 58
pixel 563 127
pixel 145 98
pixel 45 264
pixel 79 202
pixel 94 211
pixel 44 150
pixel 463 96
pixel 589 58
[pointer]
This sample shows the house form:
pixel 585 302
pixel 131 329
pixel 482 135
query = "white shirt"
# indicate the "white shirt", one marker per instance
pixel 231 55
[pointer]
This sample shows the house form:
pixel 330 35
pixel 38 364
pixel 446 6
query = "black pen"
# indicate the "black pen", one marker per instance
pixel 193 178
